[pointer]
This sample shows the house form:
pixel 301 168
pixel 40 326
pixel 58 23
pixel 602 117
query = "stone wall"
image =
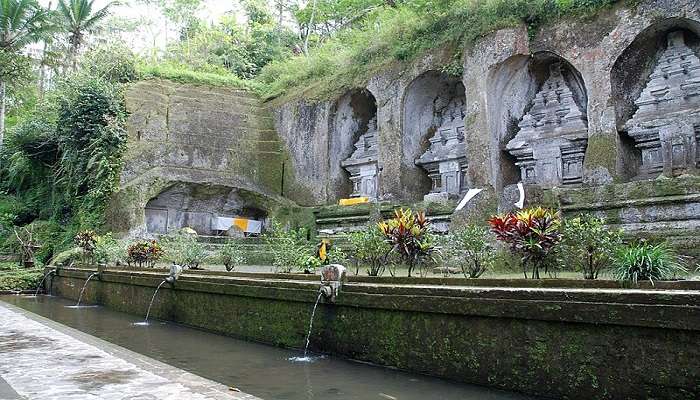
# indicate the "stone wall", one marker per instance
pixel 216 147
pixel 606 62
pixel 555 342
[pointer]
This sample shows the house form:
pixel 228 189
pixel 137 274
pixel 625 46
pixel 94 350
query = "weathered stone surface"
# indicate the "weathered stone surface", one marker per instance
pixel 666 125
pixel 551 142
pixel 660 209
pixel 446 159
pixel 202 139
pixel 362 164
pixel 607 62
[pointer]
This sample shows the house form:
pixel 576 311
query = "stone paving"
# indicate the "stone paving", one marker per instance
pixel 40 359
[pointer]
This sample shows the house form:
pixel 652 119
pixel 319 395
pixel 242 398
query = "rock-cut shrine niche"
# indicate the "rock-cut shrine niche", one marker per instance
pixel 207 209
pixel 550 144
pixel 446 158
pixel 362 164
pixel 350 118
pixel 434 151
pixel 666 126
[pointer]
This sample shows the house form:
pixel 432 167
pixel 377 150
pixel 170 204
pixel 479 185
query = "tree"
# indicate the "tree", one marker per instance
pixel 78 19
pixel 22 22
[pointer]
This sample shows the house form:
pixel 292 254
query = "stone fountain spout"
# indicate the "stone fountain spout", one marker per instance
pixel 332 279
pixel 174 275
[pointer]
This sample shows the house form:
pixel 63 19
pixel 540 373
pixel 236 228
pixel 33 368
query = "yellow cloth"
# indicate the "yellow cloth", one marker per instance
pixel 322 251
pixel 354 201
pixel 240 223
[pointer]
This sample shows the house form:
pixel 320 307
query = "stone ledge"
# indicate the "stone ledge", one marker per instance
pixel 672 309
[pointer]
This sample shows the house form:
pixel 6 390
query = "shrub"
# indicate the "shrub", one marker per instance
pixel 15 278
pixel 645 261
pixel 86 241
pixel 531 233
pixel 409 236
pixel 470 249
pixel 67 257
pixel 109 250
pixel 370 250
pixel 113 62
pixel 144 253
pixel 289 248
pixel 183 249
pixel 231 255
pixel 588 245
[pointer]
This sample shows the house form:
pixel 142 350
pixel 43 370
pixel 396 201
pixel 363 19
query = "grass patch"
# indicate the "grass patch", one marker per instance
pixel 182 74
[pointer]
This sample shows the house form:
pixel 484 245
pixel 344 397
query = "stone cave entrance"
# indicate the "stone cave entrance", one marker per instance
pixel 433 145
pixel 208 209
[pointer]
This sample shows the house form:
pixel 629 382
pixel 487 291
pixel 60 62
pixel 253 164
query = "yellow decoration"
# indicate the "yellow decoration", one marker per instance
pixel 354 201
pixel 240 223
pixel 322 251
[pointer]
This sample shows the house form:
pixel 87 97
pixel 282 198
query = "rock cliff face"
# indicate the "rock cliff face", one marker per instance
pixel 603 66
pixel 197 142
pixel 260 156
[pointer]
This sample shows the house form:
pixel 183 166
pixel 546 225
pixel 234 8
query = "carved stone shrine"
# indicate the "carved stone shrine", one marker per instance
pixel 550 146
pixel 446 159
pixel 666 125
pixel 362 164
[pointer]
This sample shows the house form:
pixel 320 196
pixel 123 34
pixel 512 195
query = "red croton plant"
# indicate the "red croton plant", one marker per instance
pixel 530 233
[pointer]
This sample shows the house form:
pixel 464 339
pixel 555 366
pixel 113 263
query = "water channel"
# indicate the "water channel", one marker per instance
pixel 258 369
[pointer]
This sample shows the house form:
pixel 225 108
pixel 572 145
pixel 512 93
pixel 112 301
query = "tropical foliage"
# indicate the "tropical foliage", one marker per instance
pixel 470 250
pixel 408 234
pixel 532 233
pixel 22 22
pixel 369 249
pixel 144 253
pixel 13 277
pixel 643 261
pixel 588 245
pixel 86 241
pixel 289 247
pixel 183 249
pixel 231 255
pixel 78 18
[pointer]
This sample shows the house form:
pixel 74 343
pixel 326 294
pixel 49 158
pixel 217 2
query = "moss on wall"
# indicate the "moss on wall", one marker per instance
pixel 578 347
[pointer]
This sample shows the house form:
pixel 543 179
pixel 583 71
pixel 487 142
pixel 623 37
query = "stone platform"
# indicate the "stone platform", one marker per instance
pixel 41 359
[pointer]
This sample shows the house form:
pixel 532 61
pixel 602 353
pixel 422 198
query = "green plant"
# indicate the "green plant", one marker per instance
pixel 589 245
pixel 183 248
pixel 290 250
pixel 16 278
pixel 86 240
pixel 22 22
pixel 409 236
pixel 78 18
pixel 231 255
pixel 109 250
pixel 470 250
pixel 532 233
pixel 370 250
pixel 646 261
pixel 111 62
pixel 395 32
pixel 144 253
